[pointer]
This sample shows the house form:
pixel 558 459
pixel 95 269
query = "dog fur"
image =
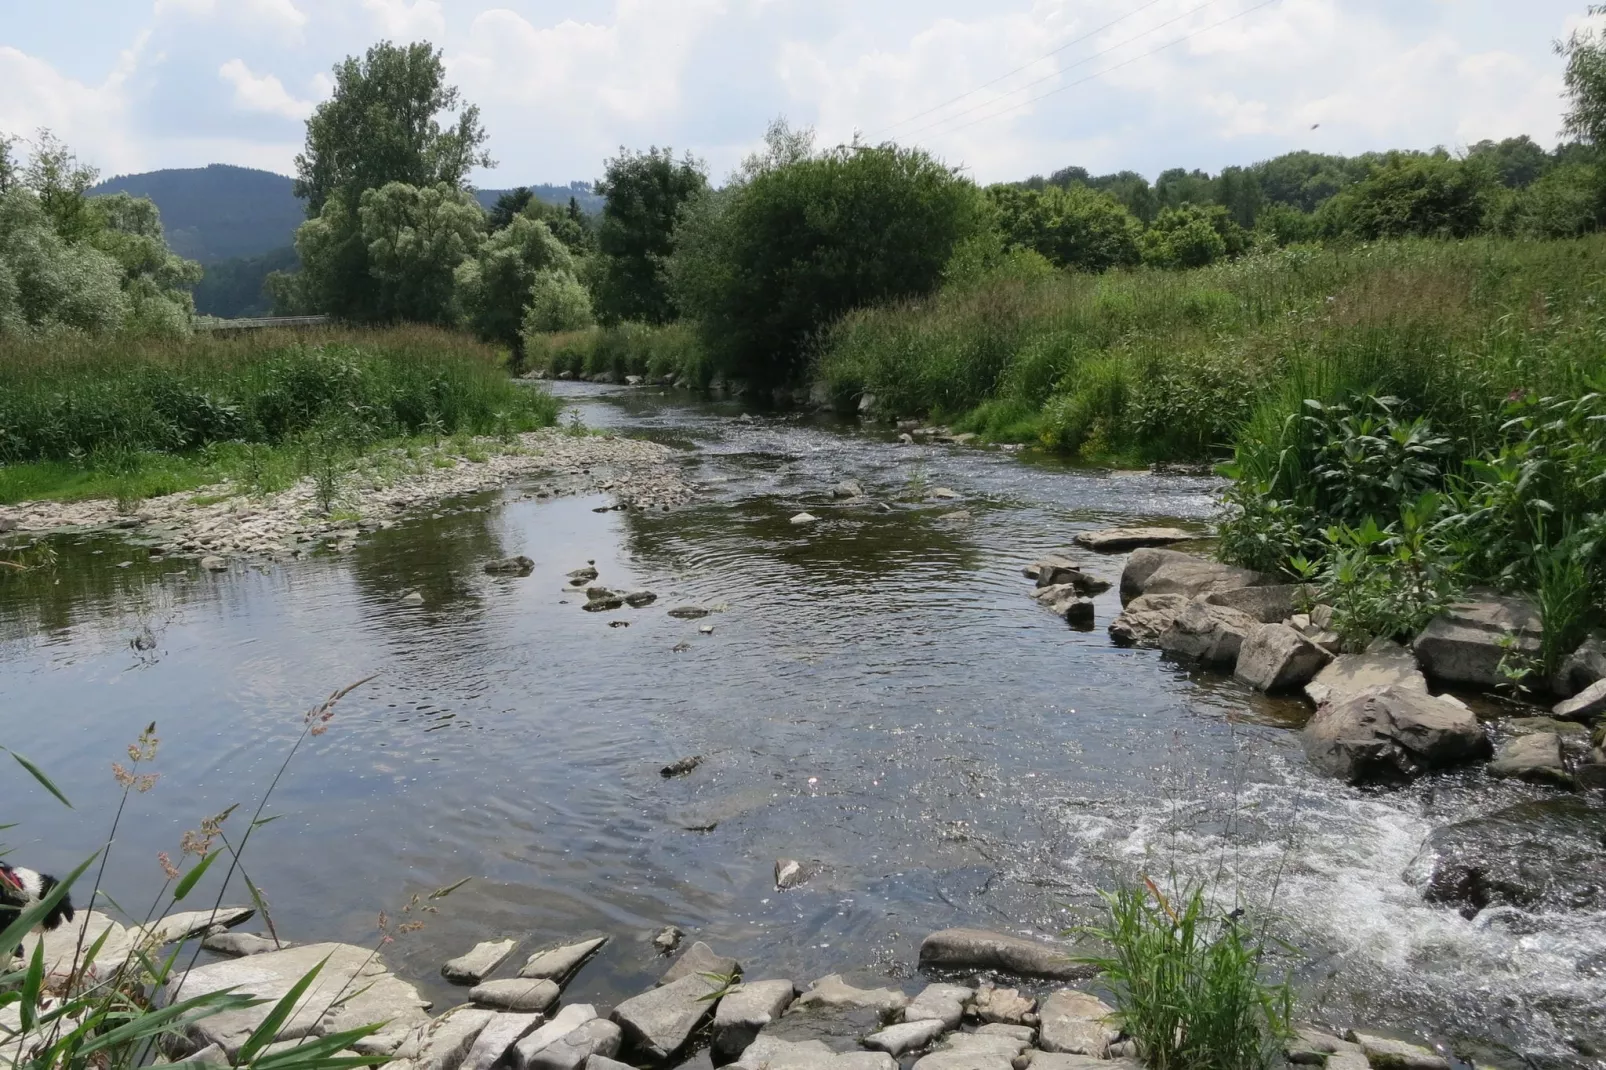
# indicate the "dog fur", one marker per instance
pixel 22 888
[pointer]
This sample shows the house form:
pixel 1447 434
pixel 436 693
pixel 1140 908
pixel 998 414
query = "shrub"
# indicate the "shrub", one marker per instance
pixel 557 302
pixel 1076 227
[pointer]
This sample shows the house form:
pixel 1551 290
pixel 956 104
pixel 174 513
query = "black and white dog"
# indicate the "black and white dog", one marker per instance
pixel 22 888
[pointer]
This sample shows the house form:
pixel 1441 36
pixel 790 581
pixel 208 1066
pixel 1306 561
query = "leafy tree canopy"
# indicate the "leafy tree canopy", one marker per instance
pixel 646 192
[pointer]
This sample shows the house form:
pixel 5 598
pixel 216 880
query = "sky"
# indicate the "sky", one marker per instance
pixel 1002 88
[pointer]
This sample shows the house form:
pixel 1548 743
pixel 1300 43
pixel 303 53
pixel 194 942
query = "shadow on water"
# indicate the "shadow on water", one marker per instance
pixel 878 694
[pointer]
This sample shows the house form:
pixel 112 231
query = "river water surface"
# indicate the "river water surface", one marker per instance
pixel 879 694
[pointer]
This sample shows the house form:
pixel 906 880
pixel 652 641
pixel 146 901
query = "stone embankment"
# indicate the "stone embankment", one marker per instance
pixel 703 1012
pixel 216 523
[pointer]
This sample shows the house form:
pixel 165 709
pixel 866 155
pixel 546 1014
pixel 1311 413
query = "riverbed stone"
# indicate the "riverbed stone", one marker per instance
pixel 1535 757
pixel 790 872
pixel 1077 1023
pixel 1585 706
pixel 1142 564
pixel 1063 601
pixel 444 1043
pixel 944 1002
pixel 482 959
pixel 832 992
pixel 1196 577
pixel 848 488
pixel 1384 663
pixel 1383 1053
pixel 214 563
pixel 1055 570
pixel 238 945
pixel 1145 619
pixel 602 1062
pixel 188 923
pixel 560 963
pixel 745 1011
pixel 1119 540
pixel 1276 658
pixel 1390 736
pixel 1269 604
pixel 982 949
pixel 700 959
pixel 1466 643
pixel 1583 666
pixel 658 1022
pixel 65 945
pixel 1211 635
pixel 775 1053
pixel 1540 853
pixel 1310 1046
pixel 511 566
pixel 1049 1060
pixel 688 612
pixel 516 994
pixel 372 994
pixel 906 1036
pixel 497 1038
pixel 1006 1006
pixel 804 518
pixel 639 599
pixel 577 1047
pixel 973 1051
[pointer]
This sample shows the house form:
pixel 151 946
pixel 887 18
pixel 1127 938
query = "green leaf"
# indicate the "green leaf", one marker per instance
pixel 39 775
pixel 187 882
pixel 268 1031
pixel 316 1053
pixel 32 985
pixel 442 893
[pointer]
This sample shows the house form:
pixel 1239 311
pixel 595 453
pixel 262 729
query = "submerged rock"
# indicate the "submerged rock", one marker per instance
pixel 638 599
pixel 979 949
pixel 688 612
pixel 511 566
pixel 699 960
pixel 1116 540
pixel 680 767
pixel 1535 757
pixel 1390 736
pixel 667 939
pixel 789 873
pixel 1539 856
pixel 582 576
pixel 562 962
pixel 482 959
pixel 1466 644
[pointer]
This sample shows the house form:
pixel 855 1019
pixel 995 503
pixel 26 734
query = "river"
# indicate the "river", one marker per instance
pixel 879 694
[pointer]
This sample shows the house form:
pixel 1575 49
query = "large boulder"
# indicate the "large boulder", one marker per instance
pixel 1389 736
pixel 979 949
pixel 1540 856
pixel 1535 757
pixel 1276 658
pixel 745 1011
pixel 1118 540
pixel 1270 603
pixel 1145 619
pixel 368 993
pixel 1196 576
pixel 1211 635
pixel 1141 564
pixel 658 1022
pixel 1383 664
pixel 1585 666
pixel 1466 643
pixel 1584 706
pixel 836 994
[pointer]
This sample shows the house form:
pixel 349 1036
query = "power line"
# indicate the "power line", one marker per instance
pixel 1081 62
pixel 1022 67
pixel 1107 70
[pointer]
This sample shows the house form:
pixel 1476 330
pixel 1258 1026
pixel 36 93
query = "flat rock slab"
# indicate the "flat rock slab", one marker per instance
pixel 700 959
pixel 1276 658
pixel 1535 758
pixel 444 1043
pixel 368 993
pixel 1003 1006
pixel 771 1053
pixel 979 949
pixel 658 1022
pixel 575 1049
pixel 1466 644
pixel 943 1002
pixel 745 1011
pixel 237 945
pixel 473 967
pixel 1146 618
pixel 1584 706
pixel 1391 737
pixel 63 944
pixel 516 994
pixel 1386 1054
pixel 1119 540
pixel 1049 1060
pixel 831 991
pixel 973 1051
pixel 906 1036
pixel 561 1025
pixel 1076 1023
pixel 560 963
pixel 1384 664
pixel 182 926
pixel 497 1038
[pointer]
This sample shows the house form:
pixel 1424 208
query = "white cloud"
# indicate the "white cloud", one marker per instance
pixel 402 20
pixel 282 14
pixel 262 94
pixel 92 119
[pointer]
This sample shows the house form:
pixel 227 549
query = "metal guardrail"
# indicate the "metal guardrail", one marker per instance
pixel 261 323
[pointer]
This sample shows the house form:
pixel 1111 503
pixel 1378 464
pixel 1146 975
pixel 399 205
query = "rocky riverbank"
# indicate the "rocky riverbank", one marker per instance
pixel 994 1001
pixel 223 521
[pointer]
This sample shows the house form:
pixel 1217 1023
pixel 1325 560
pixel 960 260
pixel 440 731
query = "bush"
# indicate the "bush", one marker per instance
pixel 1188 983
pixel 495 289
pixel 557 303
pixel 1192 236
pixel 1075 227
pixel 673 352
pixel 1413 195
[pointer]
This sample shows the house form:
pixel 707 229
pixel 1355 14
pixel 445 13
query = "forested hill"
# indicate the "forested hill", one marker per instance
pixel 221 212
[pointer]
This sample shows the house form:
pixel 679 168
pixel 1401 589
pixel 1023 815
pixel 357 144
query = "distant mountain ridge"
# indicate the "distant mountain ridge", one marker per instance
pixel 221 212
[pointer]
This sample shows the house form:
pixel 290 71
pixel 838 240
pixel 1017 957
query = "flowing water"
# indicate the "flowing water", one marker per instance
pixel 878 695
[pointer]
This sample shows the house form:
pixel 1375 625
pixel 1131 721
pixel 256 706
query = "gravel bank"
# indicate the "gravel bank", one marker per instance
pixel 222 521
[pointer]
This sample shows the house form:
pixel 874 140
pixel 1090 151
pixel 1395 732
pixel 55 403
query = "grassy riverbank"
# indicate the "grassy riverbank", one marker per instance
pixel 130 419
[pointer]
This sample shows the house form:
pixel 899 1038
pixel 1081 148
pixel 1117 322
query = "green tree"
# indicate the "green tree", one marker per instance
pixel 765 264
pixel 1076 227
pixel 416 239
pixel 1178 186
pixel 1238 191
pixel 1564 203
pixel 645 193
pixel 156 280
pixel 1192 236
pixel 557 303
pixel 47 282
pixel 382 125
pixel 495 286
pixel 507 207
pixel 1413 194
pixel 1518 162
pixel 1585 81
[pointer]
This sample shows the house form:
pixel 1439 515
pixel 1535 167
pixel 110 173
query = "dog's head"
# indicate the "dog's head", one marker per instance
pixel 62 911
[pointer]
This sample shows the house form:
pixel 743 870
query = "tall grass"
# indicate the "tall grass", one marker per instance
pixel 671 352
pixel 95 403
pixel 1159 365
